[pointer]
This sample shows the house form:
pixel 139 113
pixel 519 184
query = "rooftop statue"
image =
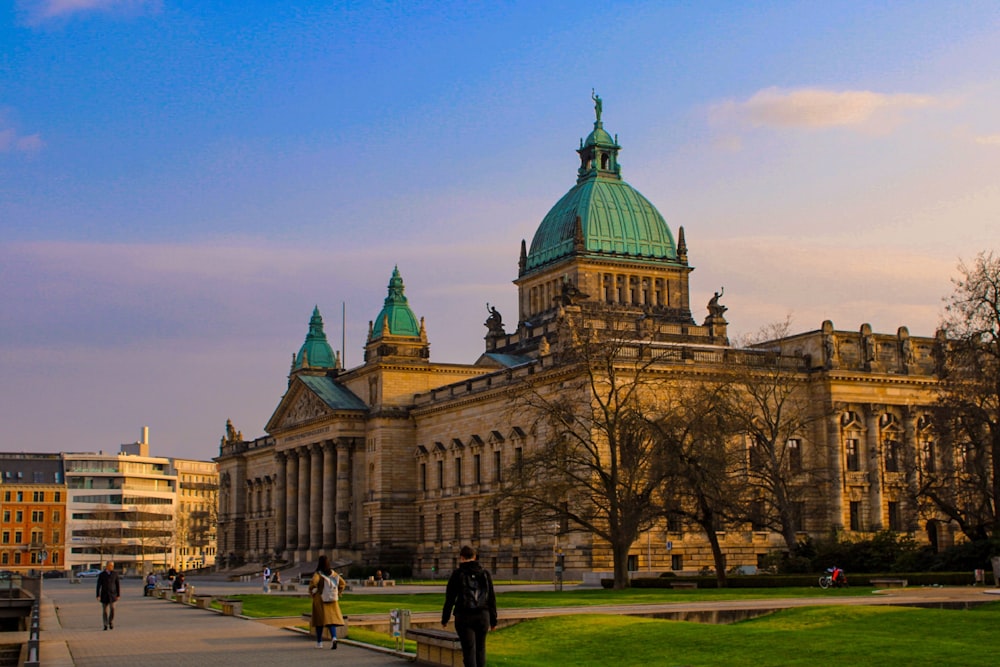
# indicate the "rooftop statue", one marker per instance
pixel 716 309
pixel 495 321
pixel 598 104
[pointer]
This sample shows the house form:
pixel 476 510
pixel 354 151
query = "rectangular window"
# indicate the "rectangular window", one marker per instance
pixel 5 558
pixel 458 471
pixel 19 516
pixel 674 523
pixel 855 515
pixel 38 496
pixel 929 459
pixel 798 515
pixel 477 472
pixel 891 456
pixel 496 523
pixel 56 515
pixel 440 474
pixel 37 516
pixel 20 496
pixel 6 496
pixel 6 516
pixel 55 536
pixel 37 537
pixel 440 527
pixel 55 558
pixel 676 562
pixel 853 462
pixel 6 537
pixel 632 563
pixel 518 460
pixel 423 476
pixel 18 535
pixel 758 516
pixel 795 455
pixel 497 475
pixel 17 558
pixel 895 517
pixel 58 497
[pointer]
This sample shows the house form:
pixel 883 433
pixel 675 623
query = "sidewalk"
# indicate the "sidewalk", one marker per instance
pixel 166 634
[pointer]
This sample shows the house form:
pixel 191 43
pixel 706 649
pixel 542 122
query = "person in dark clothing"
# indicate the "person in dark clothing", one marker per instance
pixel 108 591
pixel 470 594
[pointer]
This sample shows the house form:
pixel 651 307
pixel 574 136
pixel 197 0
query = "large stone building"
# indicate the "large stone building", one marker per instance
pixel 397 461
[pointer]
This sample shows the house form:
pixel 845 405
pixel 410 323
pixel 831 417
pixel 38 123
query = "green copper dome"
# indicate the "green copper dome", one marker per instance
pixel 395 312
pixel 315 351
pixel 614 218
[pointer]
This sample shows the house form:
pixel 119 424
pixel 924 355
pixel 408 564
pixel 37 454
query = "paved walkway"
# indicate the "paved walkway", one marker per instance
pixel 173 635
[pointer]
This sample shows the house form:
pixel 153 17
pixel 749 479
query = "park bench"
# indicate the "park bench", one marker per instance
pixel 684 584
pixel 889 583
pixel 232 607
pixel 436 647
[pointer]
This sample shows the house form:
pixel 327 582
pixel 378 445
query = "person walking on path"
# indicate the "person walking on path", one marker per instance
pixel 325 588
pixel 108 591
pixel 470 593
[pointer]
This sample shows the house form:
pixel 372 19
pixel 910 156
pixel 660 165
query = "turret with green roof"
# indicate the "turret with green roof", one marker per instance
pixel 396 332
pixel 315 351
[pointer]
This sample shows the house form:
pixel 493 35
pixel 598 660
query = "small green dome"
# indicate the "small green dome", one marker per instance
pixel 396 312
pixel 315 351
pixel 614 218
pixel 598 136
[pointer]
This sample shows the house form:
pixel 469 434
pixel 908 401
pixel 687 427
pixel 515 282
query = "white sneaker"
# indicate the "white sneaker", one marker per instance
pixel 319 644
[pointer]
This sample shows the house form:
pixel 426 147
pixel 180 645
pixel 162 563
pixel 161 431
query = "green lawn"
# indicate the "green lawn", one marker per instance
pixel 359 603
pixel 827 636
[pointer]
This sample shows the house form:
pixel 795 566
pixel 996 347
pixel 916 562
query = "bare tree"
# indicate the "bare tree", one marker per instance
pixel 599 466
pixel 967 488
pixel 697 441
pixel 773 407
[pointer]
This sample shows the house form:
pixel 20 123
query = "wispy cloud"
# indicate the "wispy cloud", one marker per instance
pixel 818 108
pixel 11 141
pixel 34 12
pixel 988 139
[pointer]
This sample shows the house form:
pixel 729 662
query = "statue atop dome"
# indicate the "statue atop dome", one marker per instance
pixel 598 104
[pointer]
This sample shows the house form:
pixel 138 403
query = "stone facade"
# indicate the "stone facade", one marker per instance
pixel 397 462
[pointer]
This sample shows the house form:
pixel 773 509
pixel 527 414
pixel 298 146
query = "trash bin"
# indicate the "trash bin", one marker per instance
pixel 980 576
pixel 996 570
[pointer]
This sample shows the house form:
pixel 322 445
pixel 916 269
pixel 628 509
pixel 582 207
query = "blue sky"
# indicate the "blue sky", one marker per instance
pixel 181 181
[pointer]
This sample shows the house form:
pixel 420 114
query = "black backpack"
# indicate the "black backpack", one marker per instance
pixel 475 590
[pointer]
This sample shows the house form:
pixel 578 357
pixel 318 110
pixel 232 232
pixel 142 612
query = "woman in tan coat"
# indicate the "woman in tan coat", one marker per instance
pixel 326 606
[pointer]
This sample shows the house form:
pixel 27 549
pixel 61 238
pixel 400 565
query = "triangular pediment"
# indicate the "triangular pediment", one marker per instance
pixel 299 406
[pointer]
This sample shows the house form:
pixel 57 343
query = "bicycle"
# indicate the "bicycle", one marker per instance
pixel 826 581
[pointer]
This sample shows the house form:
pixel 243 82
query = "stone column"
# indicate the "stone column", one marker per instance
pixel 303 500
pixel 836 463
pixel 343 493
pixel 329 495
pixel 280 510
pixel 316 492
pixel 874 450
pixel 291 501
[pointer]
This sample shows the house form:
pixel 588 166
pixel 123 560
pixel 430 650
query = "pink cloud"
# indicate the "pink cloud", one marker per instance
pixel 818 108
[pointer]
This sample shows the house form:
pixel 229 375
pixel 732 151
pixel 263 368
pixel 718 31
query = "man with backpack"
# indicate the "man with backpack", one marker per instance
pixel 470 593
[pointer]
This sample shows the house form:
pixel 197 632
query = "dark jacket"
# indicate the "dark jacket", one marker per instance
pixel 453 593
pixel 108 587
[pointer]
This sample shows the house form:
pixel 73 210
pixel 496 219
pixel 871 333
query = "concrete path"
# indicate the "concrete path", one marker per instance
pixel 167 634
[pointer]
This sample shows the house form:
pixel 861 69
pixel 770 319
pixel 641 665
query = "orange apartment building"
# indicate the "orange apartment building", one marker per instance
pixel 32 512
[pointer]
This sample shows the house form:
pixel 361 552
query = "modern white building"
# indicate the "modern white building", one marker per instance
pixel 121 507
